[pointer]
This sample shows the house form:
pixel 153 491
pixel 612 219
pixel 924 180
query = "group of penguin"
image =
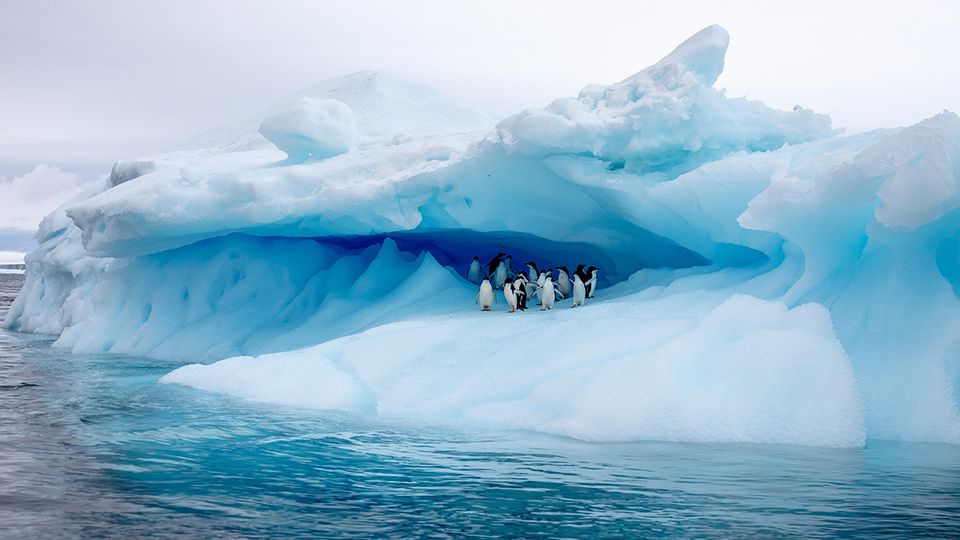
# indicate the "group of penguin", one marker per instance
pixel 518 286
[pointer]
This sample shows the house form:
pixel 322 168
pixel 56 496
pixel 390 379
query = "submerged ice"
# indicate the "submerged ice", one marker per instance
pixel 764 278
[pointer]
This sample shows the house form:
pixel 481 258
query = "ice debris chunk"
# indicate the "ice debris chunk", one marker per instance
pixel 311 129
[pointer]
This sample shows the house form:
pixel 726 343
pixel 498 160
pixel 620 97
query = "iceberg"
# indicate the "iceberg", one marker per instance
pixel 764 278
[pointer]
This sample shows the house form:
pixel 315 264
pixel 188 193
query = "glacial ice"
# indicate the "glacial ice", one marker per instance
pixel 763 278
pixel 312 129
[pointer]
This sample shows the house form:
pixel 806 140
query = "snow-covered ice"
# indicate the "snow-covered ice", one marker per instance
pixel 312 129
pixel 764 278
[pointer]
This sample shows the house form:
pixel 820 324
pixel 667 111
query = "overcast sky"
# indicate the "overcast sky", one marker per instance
pixel 86 83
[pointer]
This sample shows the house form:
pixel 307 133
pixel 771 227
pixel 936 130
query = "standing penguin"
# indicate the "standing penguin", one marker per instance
pixel 500 276
pixel 486 297
pixel 591 283
pixel 541 280
pixel 579 291
pixel 547 293
pixel 473 274
pixel 520 290
pixel 510 296
pixel 581 271
pixel 563 283
pixel 530 280
pixel 495 263
pixel 532 271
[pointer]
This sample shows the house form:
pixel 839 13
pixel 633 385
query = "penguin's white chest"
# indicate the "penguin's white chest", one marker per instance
pixel 485 296
pixel 548 294
pixel 510 297
pixel 563 285
pixel 500 276
pixel 473 274
pixel 579 291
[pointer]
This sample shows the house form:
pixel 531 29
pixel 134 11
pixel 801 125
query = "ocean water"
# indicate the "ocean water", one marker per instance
pixel 91 446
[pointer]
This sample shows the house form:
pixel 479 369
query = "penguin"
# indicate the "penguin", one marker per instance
pixel 494 263
pixel 547 293
pixel 520 290
pixel 591 283
pixel 508 260
pixel 563 282
pixel 581 271
pixel 541 280
pixel 530 283
pixel 473 274
pixel 486 297
pixel 500 276
pixel 532 271
pixel 579 291
pixel 510 297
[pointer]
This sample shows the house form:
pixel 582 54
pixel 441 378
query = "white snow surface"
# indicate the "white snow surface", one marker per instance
pixel 763 279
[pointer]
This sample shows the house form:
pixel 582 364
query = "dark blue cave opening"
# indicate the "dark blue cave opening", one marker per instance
pixel 456 248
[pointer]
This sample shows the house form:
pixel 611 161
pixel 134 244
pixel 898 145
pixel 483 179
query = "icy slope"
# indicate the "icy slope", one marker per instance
pixel 745 370
pixel 763 279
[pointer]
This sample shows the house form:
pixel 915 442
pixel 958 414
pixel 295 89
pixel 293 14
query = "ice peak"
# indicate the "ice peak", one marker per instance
pixel 702 54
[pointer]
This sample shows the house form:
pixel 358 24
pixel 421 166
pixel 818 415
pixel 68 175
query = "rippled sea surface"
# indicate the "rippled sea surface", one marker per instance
pixel 91 446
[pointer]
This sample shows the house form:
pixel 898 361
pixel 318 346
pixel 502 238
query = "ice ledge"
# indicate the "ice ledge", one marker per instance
pixel 739 369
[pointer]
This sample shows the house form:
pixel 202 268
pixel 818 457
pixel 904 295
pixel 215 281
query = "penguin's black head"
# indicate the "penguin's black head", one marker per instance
pixel 564 269
pixel 580 268
pixel 531 264
pixel 476 258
